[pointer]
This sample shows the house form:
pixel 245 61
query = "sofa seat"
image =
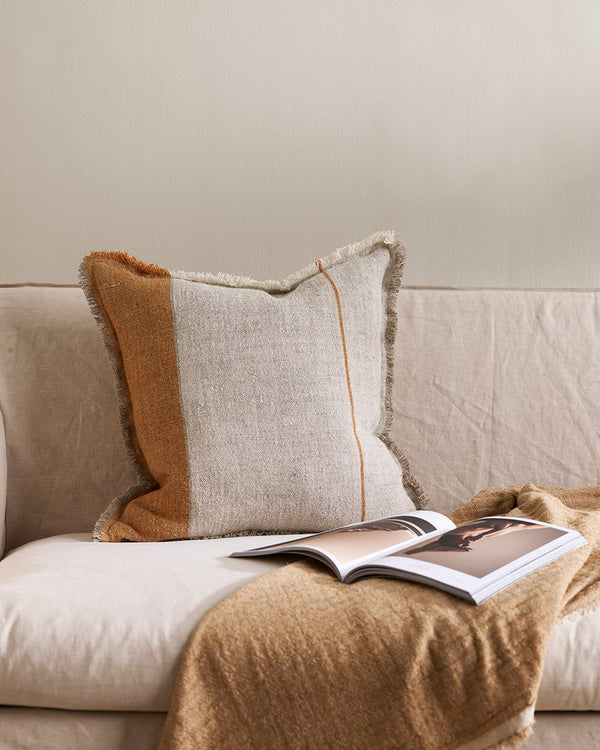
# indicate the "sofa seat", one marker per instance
pixel 102 627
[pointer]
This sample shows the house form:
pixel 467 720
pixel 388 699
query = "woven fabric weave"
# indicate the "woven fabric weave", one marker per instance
pixel 254 406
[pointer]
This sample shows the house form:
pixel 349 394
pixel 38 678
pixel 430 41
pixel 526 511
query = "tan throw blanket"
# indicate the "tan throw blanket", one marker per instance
pixel 297 660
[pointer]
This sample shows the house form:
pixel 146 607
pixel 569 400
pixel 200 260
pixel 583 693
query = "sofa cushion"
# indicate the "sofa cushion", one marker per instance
pixel 571 679
pixel 102 626
pixel 77 633
pixel 254 406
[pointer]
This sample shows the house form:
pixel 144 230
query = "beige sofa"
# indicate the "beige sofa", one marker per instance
pixel 492 387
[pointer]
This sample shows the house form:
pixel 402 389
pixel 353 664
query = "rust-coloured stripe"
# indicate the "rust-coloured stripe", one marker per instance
pixel 149 268
pixel 343 337
pixel 135 304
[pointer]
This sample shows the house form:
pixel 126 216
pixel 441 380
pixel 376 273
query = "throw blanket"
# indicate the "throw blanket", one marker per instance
pixel 296 659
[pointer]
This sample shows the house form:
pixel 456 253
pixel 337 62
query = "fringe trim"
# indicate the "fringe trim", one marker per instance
pixel 363 247
pixel 575 614
pixel 393 281
pixel 257 532
pixel 516 740
pixel 144 483
pixel 507 736
pixel 150 269
pixel 119 502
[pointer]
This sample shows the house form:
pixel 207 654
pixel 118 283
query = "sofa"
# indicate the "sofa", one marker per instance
pixel 492 387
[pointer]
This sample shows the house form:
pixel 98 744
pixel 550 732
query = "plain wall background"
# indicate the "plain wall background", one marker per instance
pixel 252 137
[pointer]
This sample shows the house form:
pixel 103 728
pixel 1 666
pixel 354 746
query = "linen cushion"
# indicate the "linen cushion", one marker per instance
pixel 254 406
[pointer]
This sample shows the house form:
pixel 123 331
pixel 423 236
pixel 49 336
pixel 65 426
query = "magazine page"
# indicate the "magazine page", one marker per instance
pixel 345 547
pixel 479 558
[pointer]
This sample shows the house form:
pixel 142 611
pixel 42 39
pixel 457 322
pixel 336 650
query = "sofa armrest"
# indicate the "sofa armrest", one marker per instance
pixel 3 475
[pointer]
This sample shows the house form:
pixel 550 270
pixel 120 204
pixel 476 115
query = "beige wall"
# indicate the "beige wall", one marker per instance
pixel 252 136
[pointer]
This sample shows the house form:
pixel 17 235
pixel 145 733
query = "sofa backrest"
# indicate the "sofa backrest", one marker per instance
pixel 65 453
pixel 492 387
pixel 498 387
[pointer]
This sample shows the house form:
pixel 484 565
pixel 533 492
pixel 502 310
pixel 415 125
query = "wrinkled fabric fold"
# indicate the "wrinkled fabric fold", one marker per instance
pixel 297 660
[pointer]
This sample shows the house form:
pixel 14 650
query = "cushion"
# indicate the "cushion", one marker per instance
pixel 254 406
pixel 75 633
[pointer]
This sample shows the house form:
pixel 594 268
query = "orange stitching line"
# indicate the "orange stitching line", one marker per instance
pixel 343 336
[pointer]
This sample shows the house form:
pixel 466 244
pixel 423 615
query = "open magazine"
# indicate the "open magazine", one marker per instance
pixel 472 561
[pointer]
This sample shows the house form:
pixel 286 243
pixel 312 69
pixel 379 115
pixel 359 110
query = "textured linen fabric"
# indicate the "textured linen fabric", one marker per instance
pixel 3 476
pixel 102 627
pixel 383 663
pixel 80 628
pixel 563 730
pixel 36 728
pixel 50 729
pixel 571 679
pixel 291 454
pixel 65 452
pixel 495 387
pixel 254 406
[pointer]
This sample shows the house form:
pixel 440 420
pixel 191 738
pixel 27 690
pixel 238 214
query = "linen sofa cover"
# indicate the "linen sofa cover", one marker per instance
pixel 475 370
pixel 101 626
pixel 35 728
pixel 64 449
pixel 3 476
pixel 479 372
